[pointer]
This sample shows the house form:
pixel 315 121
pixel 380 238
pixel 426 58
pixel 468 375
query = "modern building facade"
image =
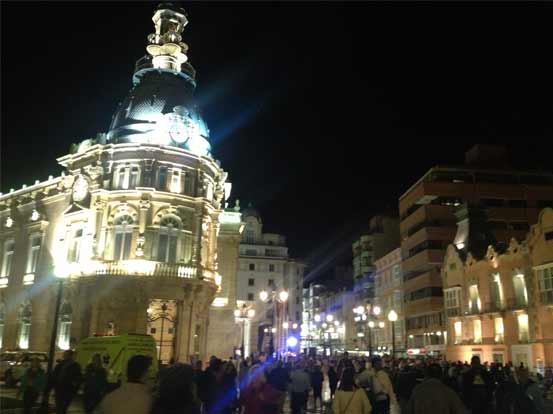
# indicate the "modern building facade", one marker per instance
pixel 511 201
pixel 498 301
pixel 265 265
pixel 129 238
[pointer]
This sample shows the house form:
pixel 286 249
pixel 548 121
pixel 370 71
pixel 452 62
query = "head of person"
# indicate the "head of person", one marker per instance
pixel 347 381
pixel 475 361
pixel 376 363
pixel 433 371
pixel 198 365
pixel 35 363
pixel 523 375
pixel 68 355
pixel 262 357
pixel 137 368
pixel 177 390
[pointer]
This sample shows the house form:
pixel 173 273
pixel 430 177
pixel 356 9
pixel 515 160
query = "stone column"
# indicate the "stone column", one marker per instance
pixel 142 218
pixel 97 242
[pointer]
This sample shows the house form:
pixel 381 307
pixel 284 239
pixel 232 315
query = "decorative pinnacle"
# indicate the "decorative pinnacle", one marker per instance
pixel 166 46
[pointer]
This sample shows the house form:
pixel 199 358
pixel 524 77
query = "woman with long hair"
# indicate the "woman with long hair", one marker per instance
pixel 349 399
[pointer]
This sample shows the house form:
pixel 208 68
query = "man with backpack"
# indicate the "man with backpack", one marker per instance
pixel 378 386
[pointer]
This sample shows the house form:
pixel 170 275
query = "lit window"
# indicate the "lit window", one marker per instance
pixel 74 252
pixel 123 178
pixel 521 294
pixel 133 182
pixel 499 330
pixel 477 326
pixel 175 181
pixel 34 252
pixel 496 295
pixel 458 327
pixel 168 237
pixel 24 334
pixel 64 334
pixel 9 247
pixel 523 333
pixel 474 299
pixel 123 237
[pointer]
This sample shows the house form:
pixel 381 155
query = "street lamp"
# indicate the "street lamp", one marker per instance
pixel 392 317
pixel 276 297
pixel 243 314
pixel 61 273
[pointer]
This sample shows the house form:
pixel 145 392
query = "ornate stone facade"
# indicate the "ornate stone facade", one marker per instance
pixel 135 218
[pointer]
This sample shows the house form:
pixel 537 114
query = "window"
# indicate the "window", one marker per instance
pixel 251 282
pixel 252 266
pixel 175 181
pixel 545 278
pixel 498 330
pixel 123 237
pixel 474 299
pixel 162 178
pixel 251 252
pixel 250 296
pixel 122 178
pixel 271 268
pixel 188 184
pixel 249 235
pixel 452 301
pixel 9 247
pixel 74 252
pixel 24 334
pixel 397 300
pixel 495 292
pixel 133 182
pixel 523 333
pixel 477 328
pixel 519 287
pixel 34 252
pixel 458 328
pixel 271 282
pixel 64 334
pixel 396 271
pixel 168 236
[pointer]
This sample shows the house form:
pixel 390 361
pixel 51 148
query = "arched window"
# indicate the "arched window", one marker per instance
pixel 169 228
pixel 123 237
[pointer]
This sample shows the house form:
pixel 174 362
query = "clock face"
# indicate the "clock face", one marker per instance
pixel 80 188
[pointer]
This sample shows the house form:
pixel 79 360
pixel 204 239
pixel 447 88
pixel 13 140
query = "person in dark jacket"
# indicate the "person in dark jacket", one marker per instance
pixel 317 386
pixel 177 392
pixel 477 387
pixel 67 379
pixel 32 385
pixel 332 380
pixel 405 382
pixel 95 384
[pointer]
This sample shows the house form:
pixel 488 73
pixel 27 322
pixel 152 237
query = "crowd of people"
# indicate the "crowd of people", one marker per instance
pixel 264 385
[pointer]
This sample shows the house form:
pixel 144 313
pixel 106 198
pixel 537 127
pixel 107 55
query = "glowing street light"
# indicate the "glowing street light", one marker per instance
pixel 381 324
pixel 392 317
pixel 283 296
pixel 376 310
pixel 329 318
pixel 264 295
pixel 317 318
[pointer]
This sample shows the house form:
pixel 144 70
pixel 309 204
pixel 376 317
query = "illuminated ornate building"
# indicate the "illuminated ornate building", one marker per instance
pixel 134 228
pixel 499 299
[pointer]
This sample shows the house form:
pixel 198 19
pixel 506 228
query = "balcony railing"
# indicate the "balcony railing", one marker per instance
pixel 136 267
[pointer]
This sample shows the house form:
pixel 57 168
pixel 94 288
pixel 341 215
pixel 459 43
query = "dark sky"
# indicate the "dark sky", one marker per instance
pixel 323 114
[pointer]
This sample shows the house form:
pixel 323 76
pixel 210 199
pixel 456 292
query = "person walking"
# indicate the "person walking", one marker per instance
pixel 477 387
pixel 67 378
pixel 349 399
pixel 299 388
pixel 95 384
pixel 317 385
pixel 382 389
pixel 32 385
pixel 332 380
pixel 176 392
pixel 432 396
pixel 134 396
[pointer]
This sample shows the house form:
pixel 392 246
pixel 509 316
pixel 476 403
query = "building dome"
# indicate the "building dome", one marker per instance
pixel 250 211
pixel 160 107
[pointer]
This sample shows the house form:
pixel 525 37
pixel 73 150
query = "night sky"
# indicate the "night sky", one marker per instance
pixel 323 114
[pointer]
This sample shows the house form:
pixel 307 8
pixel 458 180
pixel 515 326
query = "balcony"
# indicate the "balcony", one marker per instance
pixel 546 297
pixel 137 267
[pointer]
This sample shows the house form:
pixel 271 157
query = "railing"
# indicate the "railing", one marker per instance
pixel 137 267
pixel 546 297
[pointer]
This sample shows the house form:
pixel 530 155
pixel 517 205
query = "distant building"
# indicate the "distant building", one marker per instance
pixel 511 201
pixel 389 296
pixel 265 265
pixel 498 299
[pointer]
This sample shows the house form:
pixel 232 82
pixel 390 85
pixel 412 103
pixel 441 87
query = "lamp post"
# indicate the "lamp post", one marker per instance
pixel 243 314
pixel 60 274
pixel 371 326
pixel 392 317
pixel 276 298
pixel 362 316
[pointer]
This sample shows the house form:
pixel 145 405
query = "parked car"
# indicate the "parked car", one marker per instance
pixel 13 365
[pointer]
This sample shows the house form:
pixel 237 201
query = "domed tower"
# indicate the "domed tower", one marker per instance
pixel 139 225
